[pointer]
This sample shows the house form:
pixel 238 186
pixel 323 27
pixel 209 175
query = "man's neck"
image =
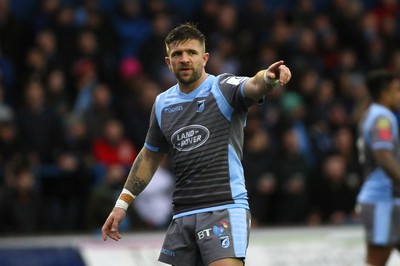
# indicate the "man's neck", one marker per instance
pixel 188 88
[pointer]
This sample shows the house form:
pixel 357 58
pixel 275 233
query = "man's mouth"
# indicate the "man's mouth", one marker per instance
pixel 184 70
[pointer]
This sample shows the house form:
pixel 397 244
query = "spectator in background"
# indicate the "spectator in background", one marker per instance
pixel 306 53
pixel 22 209
pixel 88 47
pixel 44 15
pixel 151 56
pixel 137 96
pixel 344 145
pixel 224 56
pixel 46 41
pixel 9 147
pixel 7 79
pixel 57 92
pixel 36 67
pixel 13 35
pixel 67 186
pixel 85 78
pixel 77 140
pixel 113 147
pixel 90 18
pixel 261 181
pixel 65 31
pixel 292 173
pixel 6 110
pixel 39 125
pixel 334 197
pixel 132 27
pixel 294 116
pixel 100 110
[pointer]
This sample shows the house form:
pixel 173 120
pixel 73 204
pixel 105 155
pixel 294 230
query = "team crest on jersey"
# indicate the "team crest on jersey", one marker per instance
pixel 225 243
pixel 201 105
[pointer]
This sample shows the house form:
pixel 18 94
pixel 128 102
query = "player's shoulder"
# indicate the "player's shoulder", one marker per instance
pixel 377 111
pixel 230 79
pixel 380 116
pixel 167 95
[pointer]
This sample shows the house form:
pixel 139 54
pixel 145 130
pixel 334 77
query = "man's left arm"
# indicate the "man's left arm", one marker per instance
pixel 265 80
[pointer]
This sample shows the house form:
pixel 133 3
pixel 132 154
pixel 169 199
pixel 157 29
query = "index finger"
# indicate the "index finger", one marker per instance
pixel 106 228
pixel 275 66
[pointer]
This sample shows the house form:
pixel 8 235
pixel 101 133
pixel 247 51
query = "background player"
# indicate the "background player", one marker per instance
pixel 379 151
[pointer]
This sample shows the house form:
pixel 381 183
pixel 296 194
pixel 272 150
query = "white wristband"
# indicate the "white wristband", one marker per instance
pixel 121 204
pixel 124 199
pixel 270 81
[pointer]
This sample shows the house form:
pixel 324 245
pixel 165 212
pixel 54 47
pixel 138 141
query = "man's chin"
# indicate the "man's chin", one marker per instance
pixel 185 80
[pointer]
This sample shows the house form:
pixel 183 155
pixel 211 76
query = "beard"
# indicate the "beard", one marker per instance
pixel 188 79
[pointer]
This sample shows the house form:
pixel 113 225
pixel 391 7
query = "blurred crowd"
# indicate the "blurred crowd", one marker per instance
pixel 78 79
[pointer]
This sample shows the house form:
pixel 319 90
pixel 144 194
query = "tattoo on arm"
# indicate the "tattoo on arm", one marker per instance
pixel 134 183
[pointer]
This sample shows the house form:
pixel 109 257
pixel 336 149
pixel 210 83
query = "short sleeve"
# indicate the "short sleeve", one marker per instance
pixel 155 140
pixel 232 88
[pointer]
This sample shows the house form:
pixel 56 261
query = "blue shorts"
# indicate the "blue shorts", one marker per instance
pixel 202 238
pixel 381 222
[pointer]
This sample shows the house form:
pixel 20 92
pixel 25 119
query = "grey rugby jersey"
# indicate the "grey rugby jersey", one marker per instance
pixel 204 132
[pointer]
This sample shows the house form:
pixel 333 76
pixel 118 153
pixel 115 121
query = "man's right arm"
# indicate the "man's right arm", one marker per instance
pixel 142 170
pixel 386 160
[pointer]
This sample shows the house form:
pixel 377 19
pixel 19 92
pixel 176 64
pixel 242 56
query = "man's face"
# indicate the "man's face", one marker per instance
pixel 394 95
pixel 187 60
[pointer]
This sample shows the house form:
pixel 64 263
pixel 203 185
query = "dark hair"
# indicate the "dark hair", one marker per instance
pixel 184 32
pixel 377 81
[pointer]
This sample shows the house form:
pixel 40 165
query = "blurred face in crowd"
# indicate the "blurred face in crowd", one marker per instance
pixel 187 60
pixel 113 131
pixel 393 94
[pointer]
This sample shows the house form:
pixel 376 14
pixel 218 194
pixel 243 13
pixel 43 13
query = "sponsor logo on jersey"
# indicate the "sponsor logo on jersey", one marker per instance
pixel 169 110
pixel 219 228
pixel 204 233
pixel 190 137
pixel 201 105
pixel 167 252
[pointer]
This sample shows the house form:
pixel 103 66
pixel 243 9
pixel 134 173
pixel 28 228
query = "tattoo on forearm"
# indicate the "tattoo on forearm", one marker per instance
pixel 138 161
pixel 134 183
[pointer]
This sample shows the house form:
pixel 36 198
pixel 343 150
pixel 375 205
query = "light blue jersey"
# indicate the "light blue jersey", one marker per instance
pixel 377 130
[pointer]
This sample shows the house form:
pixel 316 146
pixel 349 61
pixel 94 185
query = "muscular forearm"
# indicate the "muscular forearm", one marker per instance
pixel 257 86
pixel 386 160
pixel 143 169
pixel 265 80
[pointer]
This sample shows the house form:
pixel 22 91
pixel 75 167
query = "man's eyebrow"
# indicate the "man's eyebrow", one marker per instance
pixel 185 50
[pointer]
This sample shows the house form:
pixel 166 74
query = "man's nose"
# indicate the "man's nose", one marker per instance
pixel 185 57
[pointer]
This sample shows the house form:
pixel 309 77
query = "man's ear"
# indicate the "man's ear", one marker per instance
pixel 205 58
pixel 168 61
